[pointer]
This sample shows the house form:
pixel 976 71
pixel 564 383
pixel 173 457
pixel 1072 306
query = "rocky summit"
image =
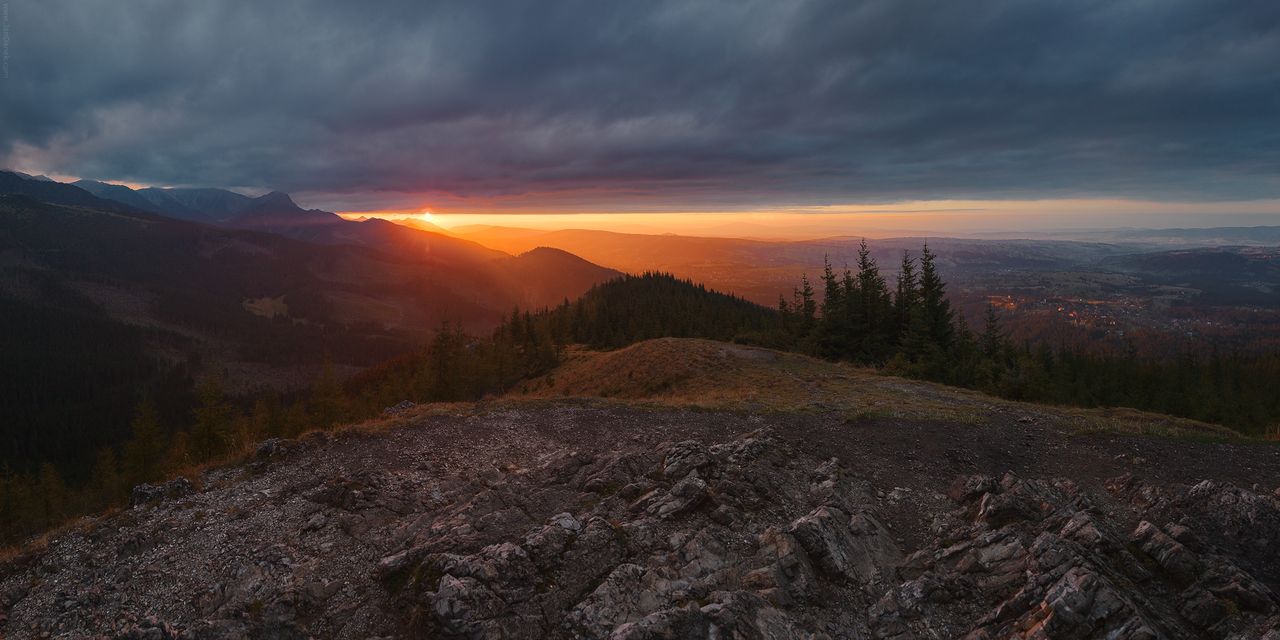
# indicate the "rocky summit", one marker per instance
pixel 599 520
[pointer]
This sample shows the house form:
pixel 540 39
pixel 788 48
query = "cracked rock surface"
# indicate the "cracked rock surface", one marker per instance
pixel 588 521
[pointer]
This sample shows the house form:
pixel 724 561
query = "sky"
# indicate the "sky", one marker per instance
pixel 1059 113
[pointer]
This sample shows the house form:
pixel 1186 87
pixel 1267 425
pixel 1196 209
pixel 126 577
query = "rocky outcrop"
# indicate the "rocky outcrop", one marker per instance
pixel 745 536
pixel 684 541
pixel 148 493
pixel 1043 559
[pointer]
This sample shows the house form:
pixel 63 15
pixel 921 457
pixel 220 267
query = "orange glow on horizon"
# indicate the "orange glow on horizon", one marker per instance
pixel 871 220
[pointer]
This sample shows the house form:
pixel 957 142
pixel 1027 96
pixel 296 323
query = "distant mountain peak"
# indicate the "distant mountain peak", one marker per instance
pixel 27 176
pixel 276 199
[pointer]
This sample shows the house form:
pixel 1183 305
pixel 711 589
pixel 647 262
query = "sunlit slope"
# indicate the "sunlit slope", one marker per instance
pixel 717 375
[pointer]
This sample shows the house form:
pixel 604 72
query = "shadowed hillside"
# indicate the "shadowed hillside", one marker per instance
pixel 104 304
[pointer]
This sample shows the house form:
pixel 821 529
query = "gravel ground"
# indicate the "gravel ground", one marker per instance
pixel 294 536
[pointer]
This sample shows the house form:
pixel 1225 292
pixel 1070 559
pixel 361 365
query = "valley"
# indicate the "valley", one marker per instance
pixel 162 303
pixel 1136 292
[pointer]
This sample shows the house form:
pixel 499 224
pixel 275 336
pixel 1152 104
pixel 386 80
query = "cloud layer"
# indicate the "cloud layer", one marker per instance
pixel 652 105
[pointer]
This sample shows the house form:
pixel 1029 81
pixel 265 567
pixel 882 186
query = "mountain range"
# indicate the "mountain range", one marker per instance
pixel 492 276
pixel 274 212
pixel 103 301
pixel 217 268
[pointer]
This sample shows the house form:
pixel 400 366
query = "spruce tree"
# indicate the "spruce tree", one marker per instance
pixel 806 311
pixel 872 326
pixel 907 296
pixel 831 291
pixel 992 335
pixel 931 334
pixel 784 316
pixel 934 305
pixel 833 330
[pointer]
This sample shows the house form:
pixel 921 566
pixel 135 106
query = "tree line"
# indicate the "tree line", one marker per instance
pixel 911 329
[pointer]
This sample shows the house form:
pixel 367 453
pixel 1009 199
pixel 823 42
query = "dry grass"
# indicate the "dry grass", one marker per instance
pixel 716 375
pixel 1273 433
pixel 1126 420
pixel 38 543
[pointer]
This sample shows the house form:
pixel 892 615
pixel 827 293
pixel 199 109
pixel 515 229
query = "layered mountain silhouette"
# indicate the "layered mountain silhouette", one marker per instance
pixel 277 213
pixel 505 280
pixel 21 184
pixel 209 266
pixel 38 178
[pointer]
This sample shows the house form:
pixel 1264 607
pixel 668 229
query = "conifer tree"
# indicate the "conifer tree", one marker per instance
pixel 851 311
pixel 448 365
pixel 210 436
pixel 834 327
pixel 178 455
pixel 296 420
pixel 786 321
pixel 992 335
pixel 51 494
pixel 931 333
pixel 106 486
pixel 907 295
pixel 267 417
pixel 25 501
pixel 806 309
pixel 328 403
pixel 144 452
pixel 832 292
pixel 872 320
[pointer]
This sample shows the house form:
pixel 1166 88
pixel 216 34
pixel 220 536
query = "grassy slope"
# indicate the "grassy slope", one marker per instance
pixel 716 375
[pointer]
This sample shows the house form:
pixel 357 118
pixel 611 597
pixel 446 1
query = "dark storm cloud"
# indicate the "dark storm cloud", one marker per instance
pixel 652 104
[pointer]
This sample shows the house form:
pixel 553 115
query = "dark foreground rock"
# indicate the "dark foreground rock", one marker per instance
pixel 480 528
pixel 149 493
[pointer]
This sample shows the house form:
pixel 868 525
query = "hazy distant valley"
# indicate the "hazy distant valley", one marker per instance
pixel 1134 289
